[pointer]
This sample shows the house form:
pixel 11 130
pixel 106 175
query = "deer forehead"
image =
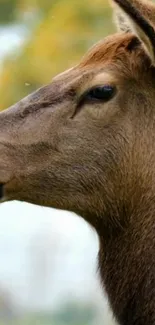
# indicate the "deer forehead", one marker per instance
pixel 99 65
pixel 107 50
pixel 63 74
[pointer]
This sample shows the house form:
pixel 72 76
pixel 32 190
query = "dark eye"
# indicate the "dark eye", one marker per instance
pixel 102 93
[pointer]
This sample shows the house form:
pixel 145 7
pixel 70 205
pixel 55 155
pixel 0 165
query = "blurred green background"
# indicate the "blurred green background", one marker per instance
pixel 38 39
pixel 56 33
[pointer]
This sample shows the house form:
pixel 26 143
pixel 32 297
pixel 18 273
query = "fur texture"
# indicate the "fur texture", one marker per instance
pixel 97 158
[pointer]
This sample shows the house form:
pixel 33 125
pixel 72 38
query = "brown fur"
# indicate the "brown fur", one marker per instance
pixel 58 148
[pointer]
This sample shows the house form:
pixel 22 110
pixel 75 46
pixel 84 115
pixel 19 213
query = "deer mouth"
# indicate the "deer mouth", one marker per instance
pixel 1 191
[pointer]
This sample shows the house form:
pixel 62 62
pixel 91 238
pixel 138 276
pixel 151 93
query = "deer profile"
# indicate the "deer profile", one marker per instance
pixel 86 143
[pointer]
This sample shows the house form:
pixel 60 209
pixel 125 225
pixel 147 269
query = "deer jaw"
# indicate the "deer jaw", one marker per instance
pixel 63 149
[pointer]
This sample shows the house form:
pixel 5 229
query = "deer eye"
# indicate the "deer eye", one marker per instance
pixel 102 93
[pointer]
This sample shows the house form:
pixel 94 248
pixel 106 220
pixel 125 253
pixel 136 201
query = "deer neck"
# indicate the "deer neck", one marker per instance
pixel 127 267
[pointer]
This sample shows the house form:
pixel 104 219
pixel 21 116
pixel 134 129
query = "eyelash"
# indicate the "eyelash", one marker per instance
pixel 103 94
pixel 96 94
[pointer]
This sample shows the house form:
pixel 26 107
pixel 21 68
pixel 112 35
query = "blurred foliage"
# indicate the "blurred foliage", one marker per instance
pixel 69 314
pixel 7 10
pixel 73 313
pixel 65 30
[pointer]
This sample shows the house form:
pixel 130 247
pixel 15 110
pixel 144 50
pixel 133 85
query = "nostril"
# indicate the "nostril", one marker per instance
pixel 1 190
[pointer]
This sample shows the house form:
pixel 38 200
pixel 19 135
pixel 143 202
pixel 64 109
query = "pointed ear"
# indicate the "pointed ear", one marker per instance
pixel 138 17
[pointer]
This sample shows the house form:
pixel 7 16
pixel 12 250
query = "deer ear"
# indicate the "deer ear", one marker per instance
pixel 138 17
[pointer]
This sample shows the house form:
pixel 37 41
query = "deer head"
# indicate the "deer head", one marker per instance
pixel 87 139
pixel 75 144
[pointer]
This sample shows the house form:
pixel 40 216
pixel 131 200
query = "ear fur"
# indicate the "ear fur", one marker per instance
pixel 138 17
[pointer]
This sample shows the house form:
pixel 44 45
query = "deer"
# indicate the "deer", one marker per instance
pixel 85 143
